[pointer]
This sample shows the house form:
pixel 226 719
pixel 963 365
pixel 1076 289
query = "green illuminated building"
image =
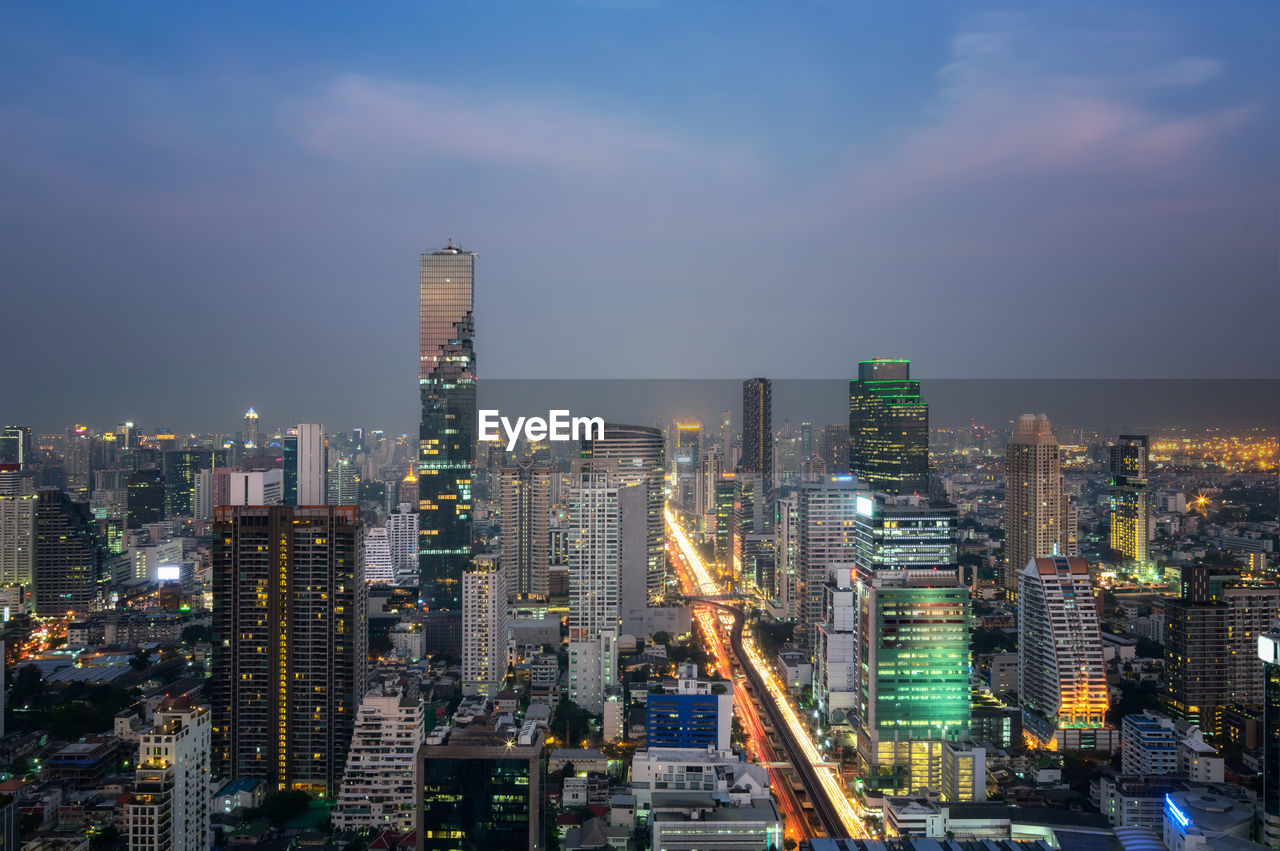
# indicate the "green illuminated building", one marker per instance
pixel 888 428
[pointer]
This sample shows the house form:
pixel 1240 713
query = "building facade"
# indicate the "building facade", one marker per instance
pixel 1036 511
pixel 526 536
pixel 888 428
pixel 68 556
pixel 1129 498
pixel 169 810
pixel 378 790
pixel 485 631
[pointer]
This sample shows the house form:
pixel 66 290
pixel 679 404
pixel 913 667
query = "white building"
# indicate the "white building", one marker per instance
pixel 1062 677
pixel 402 535
pixel 378 790
pixel 311 464
pixel 17 536
pixel 826 515
pixel 1148 744
pixel 485 634
pixel 787 556
pixel 595 531
pixel 379 566
pixel 170 806
pixel 836 652
pixel 256 487
pixel 700 823
pixel 696 770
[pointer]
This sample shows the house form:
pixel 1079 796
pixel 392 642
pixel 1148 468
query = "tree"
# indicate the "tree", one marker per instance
pixel 661 638
pixel 108 838
pixel 790 844
pixel 140 661
pixel 285 806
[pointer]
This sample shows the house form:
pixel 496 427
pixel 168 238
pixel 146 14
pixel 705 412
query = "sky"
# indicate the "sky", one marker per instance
pixel 214 206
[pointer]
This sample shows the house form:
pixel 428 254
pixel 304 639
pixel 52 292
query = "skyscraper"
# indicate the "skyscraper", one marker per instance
pixel 145 504
pixel 526 536
pixel 290 639
pixel 340 482
pixel 378 791
pixel 170 806
pixel 447 435
pixel 378 564
pixel 17 529
pixel 179 468
pixel 826 544
pixel 484 627
pixel 289 463
pixel 402 535
pixel 1062 679
pixel 905 533
pixel 312 464
pixel 595 604
pixel 1269 654
pixel 252 440
pixel 1130 508
pixel 633 455
pixel 1035 508
pixel 16 446
pixel 67 556
pixel 757 431
pixel 888 428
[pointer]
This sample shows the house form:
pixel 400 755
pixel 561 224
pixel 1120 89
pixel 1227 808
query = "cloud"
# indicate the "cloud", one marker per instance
pixel 363 120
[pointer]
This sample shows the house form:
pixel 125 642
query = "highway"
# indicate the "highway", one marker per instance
pixel 824 786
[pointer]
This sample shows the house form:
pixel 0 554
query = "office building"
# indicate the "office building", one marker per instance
pixel 485 627
pixel 1062 678
pixel 379 566
pixel 905 532
pixel 710 469
pixel 179 468
pixel 888 428
pixel 501 773
pixel 290 642
pixel 341 482
pixel 252 439
pixel 1210 638
pixel 289 464
pixel 378 790
pixel 912 679
pixel 1130 500
pixel 633 455
pixel 826 514
pixel 1200 820
pixel 698 822
pixel 595 586
pixel 1036 512
pixel 836 655
pixel 757 431
pixel 833 448
pixel 145 504
pixel 169 810
pixel 17 529
pixel 752 545
pixel 16 446
pixel 526 535
pixel 1148 745
pixel 690 713
pixel 258 487
pixel 312 465
pixel 68 556
pixel 447 435
pixel 786 554
pixel 721 533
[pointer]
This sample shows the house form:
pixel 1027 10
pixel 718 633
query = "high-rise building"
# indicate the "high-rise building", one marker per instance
pixel 912 677
pixel 290 644
pixel 633 455
pixel 169 810
pixel 1062 678
pixel 595 610
pixel 526 537
pixel 721 533
pixel 312 465
pixel 786 551
pixel 826 514
pixel 17 529
pixel 485 632
pixel 378 790
pixel 1035 508
pixel 691 713
pixel 888 428
pixel 905 532
pixel 289 463
pixel 501 773
pixel 342 483
pixel 68 556
pixel 179 468
pixel 257 487
pixel 402 535
pixel 1210 638
pixel 145 504
pixel 379 566
pixel 447 436
pixel 252 439
pixel 1148 745
pixel 16 446
pixel 710 469
pixel 833 447
pixel 757 431
pixel 1130 500
pixel 1269 655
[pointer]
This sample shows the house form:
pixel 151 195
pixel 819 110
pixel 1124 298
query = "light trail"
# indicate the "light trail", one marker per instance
pixel 832 785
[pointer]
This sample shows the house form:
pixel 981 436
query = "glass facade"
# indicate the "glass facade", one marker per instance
pixel 447 435
pixel 1129 497
pixel 473 801
pixel 888 428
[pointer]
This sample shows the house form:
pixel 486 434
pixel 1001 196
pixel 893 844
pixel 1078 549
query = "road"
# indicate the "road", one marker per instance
pixel 823 784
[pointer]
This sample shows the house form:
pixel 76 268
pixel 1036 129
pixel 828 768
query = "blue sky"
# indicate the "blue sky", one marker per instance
pixel 215 206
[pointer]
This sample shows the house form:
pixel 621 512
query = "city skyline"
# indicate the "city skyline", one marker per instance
pixel 968 165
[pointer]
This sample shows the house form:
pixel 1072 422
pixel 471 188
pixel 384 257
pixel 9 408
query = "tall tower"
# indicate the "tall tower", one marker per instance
pixel 67 556
pixel 1269 653
pixel 484 627
pixel 888 428
pixel 251 429
pixel 1062 679
pixel 595 581
pixel 312 463
pixel 17 529
pixel 526 535
pixel 170 806
pixel 757 431
pixel 1035 508
pixel 826 544
pixel 290 642
pixel 633 455
pixel 447 435
pixel 1130 509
